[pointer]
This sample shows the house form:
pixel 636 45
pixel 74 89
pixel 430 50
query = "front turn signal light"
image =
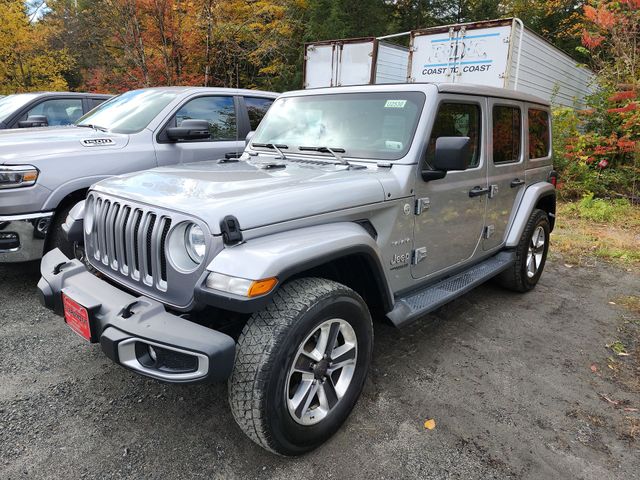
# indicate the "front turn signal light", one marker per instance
pixel 262 287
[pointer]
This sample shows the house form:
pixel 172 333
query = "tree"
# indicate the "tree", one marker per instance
pixel 27 63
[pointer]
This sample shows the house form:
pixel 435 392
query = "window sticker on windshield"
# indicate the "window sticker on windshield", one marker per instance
pixel 392 145
pixel 395 104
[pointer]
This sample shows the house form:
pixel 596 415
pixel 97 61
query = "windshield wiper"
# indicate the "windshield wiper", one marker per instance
pixel 333 151
pixel 272 147
pixel 95 127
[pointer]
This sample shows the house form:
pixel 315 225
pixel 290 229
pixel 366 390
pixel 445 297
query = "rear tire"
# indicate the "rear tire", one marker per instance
pixel 300 365
pixel 531 255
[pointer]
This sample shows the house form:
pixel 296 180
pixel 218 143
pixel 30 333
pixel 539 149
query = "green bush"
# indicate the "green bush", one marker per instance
pixel 600 210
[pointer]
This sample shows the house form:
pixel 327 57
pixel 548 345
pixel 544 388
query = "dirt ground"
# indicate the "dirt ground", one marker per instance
pixel 520 386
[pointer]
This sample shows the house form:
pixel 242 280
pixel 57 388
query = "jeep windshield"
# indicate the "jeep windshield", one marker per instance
pixel 11 103
pixel 372 125
pixel 130 112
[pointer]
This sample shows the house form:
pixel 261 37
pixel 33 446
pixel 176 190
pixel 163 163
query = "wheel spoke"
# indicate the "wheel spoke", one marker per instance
pixel 304 395
pixel 303 364
pixel 333 337
pixel 342 356
pixel 327 395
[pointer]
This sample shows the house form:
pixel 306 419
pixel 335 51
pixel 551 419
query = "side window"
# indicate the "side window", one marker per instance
pixel 457 120
pixel 256 108
pixel 94 102
pixel 538 133
pixel 507 136
pixel 220 112
pixel 61 111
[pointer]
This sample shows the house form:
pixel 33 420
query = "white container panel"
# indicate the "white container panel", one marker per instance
pixel 392 63
pixel 355 61
pixel 319 66
pixel 548 72
pixel 478 56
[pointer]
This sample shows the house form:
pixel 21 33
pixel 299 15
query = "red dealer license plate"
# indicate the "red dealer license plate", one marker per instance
pixel 77 317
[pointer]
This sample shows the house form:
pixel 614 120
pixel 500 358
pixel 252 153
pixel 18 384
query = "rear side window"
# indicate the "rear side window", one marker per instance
pixel 218 111
pixel 507 135
pixel 457 120
pixel 61 111
pixel 256 108
pixel 538 133
pixel 94 102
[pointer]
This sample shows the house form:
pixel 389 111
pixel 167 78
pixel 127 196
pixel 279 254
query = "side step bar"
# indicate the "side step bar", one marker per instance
pixel 414 305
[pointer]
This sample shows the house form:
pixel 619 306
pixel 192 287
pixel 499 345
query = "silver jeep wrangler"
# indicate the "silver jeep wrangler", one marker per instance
pixel 265 271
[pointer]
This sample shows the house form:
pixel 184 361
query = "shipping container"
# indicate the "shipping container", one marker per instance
pixel 498 53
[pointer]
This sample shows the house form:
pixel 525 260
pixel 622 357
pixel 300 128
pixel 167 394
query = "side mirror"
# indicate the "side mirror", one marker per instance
pixel 452 153
pixel 189 130
pixel 248 138
pixel 34 121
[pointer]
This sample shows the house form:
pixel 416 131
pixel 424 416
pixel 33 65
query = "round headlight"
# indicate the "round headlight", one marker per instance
pixel 195 242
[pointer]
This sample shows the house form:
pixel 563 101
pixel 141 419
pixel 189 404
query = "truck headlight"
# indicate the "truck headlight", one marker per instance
pixel 15 176
pixel 240 286
pixel 195 242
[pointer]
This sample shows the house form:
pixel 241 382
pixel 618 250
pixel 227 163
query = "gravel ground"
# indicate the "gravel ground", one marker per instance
pixel 514 382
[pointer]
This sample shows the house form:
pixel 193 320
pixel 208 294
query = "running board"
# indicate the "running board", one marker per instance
pixel 413 305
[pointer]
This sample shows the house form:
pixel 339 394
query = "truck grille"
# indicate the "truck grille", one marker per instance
pixel 130 240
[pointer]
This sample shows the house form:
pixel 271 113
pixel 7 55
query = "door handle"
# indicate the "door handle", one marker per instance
pixel 516 182
pixel 477 191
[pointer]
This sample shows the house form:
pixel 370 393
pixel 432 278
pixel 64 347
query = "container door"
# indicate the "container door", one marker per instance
pixel 355 62
pixel 478 56
pixel 319 66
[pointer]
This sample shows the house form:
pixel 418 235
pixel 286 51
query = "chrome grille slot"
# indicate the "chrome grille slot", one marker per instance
pixel 131 241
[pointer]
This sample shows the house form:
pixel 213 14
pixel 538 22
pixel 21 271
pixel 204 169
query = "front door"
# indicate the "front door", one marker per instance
pixel 505 168
pixel 221 113
pixel 451 211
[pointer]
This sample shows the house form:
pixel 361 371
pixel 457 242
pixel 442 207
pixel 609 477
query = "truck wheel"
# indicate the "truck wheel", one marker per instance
pixel 531 255
pixel 300 365
pixel 55 235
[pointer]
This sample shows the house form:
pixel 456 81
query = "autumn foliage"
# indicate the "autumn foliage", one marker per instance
pixel 598 148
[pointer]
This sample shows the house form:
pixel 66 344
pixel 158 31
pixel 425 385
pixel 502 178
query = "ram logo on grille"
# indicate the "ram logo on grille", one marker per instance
pixel 130 240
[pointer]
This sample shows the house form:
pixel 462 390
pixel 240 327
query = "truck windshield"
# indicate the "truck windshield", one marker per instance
pixel 130 112
pixel 11 103
pixel 372 125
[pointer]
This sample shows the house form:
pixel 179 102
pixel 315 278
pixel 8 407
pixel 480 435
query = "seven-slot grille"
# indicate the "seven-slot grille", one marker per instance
pixel 130 240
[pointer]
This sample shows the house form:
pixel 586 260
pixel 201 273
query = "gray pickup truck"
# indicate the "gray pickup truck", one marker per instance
pixel 45 171
pixel 265 271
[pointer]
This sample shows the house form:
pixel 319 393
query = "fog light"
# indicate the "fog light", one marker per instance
pixel 153 354
pixel 9 241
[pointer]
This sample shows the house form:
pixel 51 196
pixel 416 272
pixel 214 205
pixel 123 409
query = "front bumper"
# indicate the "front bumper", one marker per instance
pixel 22 236
pixel 126 326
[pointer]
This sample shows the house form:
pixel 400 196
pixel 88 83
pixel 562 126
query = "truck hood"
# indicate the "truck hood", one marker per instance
pixel 19 146
pixel 256 193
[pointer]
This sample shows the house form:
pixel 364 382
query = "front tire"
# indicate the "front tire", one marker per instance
pixel 55 235
pixel 531 255
pixel 300 365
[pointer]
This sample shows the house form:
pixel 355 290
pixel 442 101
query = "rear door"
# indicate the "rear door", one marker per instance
pixel 221 111
pixel 451 211
pixel 506 168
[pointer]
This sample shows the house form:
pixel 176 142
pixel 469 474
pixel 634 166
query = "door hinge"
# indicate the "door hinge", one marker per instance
pixel 418 255
pixel 489 231
pixel 422 204
pixel 493 191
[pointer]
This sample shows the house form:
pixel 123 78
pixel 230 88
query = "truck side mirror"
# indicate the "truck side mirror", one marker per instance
pixel 452 153
pixel 189 130
pixel 248 138
pixel 34 121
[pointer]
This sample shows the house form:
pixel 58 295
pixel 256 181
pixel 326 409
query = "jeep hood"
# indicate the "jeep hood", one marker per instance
pixel 19 146
pixel 256 193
